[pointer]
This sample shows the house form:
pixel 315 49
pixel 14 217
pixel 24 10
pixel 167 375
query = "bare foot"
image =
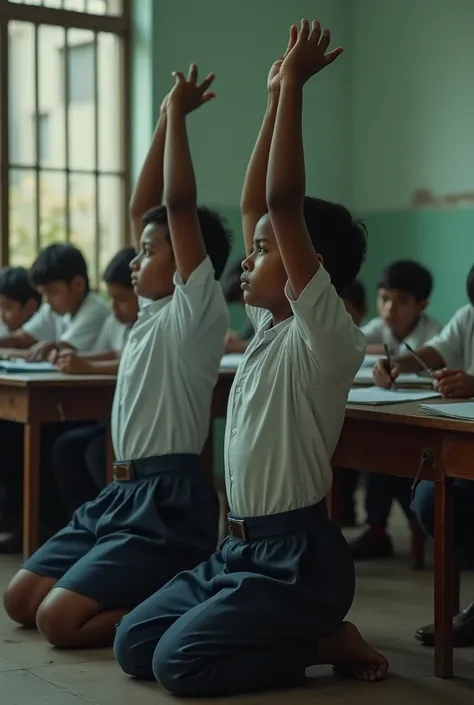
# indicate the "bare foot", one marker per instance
pixel 350 655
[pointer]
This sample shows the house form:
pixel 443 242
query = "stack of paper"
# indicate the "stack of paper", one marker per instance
pixel 231 362
pixel 364 376
pixel 376 395
pixel 463 411
pixel 20 366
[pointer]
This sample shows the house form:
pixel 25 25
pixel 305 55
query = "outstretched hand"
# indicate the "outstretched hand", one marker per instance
pixel 188 94
pixel 273 82
pixel 309 55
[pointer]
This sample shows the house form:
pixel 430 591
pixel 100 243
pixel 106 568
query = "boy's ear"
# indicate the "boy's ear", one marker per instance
pixel 422 305
pixel 31 307
pixel 78 283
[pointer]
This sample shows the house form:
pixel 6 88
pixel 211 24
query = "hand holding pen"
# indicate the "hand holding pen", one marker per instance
pixel 384 373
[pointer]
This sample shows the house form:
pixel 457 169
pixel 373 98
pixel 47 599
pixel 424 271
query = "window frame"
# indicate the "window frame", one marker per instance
pixel 36 15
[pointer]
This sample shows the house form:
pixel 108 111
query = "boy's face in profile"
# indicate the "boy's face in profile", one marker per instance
pixel 63 297
pixel 14 314
pixel 399 309
pixel 124 303
pixel 264 276
pixel 355 313
pixel 153 268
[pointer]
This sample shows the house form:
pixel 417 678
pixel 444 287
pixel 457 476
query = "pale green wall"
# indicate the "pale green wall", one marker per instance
pixel 413 127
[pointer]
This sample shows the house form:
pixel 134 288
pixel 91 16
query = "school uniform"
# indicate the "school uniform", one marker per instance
pixel 250 617
pixel 381 490
pixel 81 331
pixel 455 344
pixel 79 456
pixel 378 332
pixel 160 515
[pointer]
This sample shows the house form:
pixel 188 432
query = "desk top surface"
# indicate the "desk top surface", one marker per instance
pixel 54 379
pixel 409 414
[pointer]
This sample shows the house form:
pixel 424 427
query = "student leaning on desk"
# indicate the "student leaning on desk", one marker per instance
pixel 71 315
pixel 451 355
pixel 104 357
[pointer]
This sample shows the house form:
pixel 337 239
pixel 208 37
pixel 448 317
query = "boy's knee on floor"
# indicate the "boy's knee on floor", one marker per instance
pixel 176 673
pixel 23 596
pixel 133 658
pixel 54 625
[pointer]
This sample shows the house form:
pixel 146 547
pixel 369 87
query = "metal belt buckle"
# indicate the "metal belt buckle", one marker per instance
pixel 237 528
pixel 122 472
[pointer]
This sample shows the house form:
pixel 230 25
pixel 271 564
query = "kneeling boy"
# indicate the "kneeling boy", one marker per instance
pixel 272 600
pixel 160 515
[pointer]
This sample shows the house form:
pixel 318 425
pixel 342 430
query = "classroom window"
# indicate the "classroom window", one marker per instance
pixel 64 128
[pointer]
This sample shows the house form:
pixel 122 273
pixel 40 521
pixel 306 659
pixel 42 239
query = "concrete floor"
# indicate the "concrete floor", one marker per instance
pixel 391 602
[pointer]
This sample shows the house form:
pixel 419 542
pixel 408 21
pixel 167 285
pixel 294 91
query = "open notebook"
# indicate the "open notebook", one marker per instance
pixel 374 396
pixel 364 376
pixel 21 366
pixel 463 411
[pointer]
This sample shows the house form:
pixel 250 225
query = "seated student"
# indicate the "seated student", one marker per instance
pixel 79 456
pixel 271 601
pixel 161 514
pixel 71 316
pixel 354 299
pixel 451 354
pixel 19 301
pixel 403 294
pixel 235 342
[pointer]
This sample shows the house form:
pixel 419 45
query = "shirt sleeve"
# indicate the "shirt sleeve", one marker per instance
pixel 86 326
pixel 42 326
pixel 450 341
pixel 104 341
pixel 322 322
pixel 373 331
pixel 258 317
pixel 198 305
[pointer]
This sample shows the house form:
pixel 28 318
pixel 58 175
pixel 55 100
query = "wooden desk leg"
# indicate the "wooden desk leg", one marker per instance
pixel 109 475
pixel 444 579
pixel 31 488
pixel 208 455
pixel 334 498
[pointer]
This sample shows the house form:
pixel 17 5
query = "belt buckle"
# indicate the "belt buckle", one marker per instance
pixel 122 472
pixel 237 528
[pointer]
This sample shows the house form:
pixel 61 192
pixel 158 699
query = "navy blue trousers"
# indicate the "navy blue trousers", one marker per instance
pixel 250 617
pixel 423 506
pixel 136 535
pixel 381 491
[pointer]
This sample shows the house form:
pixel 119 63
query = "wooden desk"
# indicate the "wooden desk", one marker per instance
pixel 35 399
pixel 398 440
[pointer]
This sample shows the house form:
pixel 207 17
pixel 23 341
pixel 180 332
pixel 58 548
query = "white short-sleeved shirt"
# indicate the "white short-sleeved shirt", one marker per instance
pixel 80 331
pixel 378 332
pixel 287 403
pixel 455 343
pixel 112 337
pixel 168 370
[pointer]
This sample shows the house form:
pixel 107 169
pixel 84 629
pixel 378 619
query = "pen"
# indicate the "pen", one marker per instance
pixel 419 360
pixel 389 362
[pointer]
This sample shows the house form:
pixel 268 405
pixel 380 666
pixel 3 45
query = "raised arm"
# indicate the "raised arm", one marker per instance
pixel 180 192
pixel 148 191
pixel 253 202
pixel 286 169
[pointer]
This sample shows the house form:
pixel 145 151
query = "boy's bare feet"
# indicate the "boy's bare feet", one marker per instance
pixel 350 655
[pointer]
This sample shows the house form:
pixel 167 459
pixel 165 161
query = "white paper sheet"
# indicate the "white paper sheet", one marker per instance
pixel 376 395
pixel 463 411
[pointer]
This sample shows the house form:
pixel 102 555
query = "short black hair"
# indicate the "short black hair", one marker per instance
pixel 470 285
pixel 231 282
pixel 15 284
pixel 118 269
pixel 338 238
pixel 408 276
pixel 60 262
pixel 217 236
pixel 355 294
